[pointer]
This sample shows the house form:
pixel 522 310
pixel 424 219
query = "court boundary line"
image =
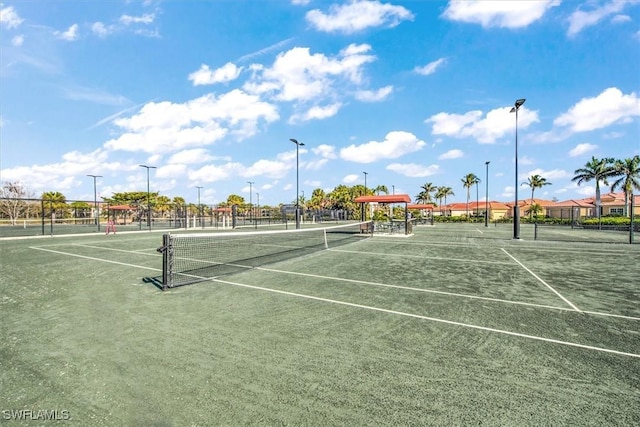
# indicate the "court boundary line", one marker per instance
pixel 432 319
pixel 342 279
pixel 481 261
pixel 383 310
pixel 96 259
pixel 541 281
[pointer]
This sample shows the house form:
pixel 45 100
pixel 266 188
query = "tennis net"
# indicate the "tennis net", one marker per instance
pixel 192 258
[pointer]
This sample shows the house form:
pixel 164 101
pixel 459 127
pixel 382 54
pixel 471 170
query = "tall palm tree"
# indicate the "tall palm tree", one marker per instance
pixel 428 188
pixel 628 171
pixel 467 182
pixel 447 191
pixel 598 170
pixel 535 181
pixel 440 194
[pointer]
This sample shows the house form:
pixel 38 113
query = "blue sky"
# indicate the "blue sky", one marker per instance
pixel 410 92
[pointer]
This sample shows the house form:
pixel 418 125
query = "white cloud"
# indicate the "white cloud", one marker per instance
pixel 618 19
pixel 316 113
pixel 17 40
pixel 9 17
pixel 609 107
pixel 497 123
pixel 431 67
pixel 374 95
pixel 147 18
pixel 300 2
pixel 325 151
pixel 358 15
pixel 396 144
pixel 192 156
pixel 413 170
pixel 171 170
pixel 581 149
pixel 204 76
pixel 101 30
pixel 316 164
pixel 548 175
pixel 351 178
pixel 269 168
pixel 167 127
pixel 70 35
pixel 298 75
pixel 213 173
pixel 580 19
pixel 498 13
pixel 451 154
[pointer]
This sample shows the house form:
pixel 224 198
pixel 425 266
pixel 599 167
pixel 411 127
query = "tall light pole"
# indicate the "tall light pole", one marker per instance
pixel 486 196
pixel 250 200
pixel 516 207
pixel 199 207
pixel 148 197
pixel 95 199
pixel 394 189
pixel 298 145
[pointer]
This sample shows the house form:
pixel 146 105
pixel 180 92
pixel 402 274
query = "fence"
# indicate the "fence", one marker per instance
pixel 34 217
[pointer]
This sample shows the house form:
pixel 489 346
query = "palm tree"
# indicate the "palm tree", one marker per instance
pixel 535 181
pixel 440 194
pixel 381 188
pixel 447 191
pixel 55 202
pixel 469 180
pixel 428 188
pixel 628 171
pixel 597 170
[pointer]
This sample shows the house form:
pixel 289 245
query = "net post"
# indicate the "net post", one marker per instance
pixel 326 243
pixel 535 231
pixel 166 262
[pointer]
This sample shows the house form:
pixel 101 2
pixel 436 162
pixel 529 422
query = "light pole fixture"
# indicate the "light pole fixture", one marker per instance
pixel 393 189
pixel 95 199
pixel 199 207
pixel 298 145
pixel 148 197
pixel 250 200
pixel 486 196
pixel 516 206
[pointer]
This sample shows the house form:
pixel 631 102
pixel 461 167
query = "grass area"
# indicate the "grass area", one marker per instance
pixel 455 325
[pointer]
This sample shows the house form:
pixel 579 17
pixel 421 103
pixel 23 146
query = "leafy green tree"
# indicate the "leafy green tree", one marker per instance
pixel 534 209
pixel 427 189
pixel 597 170
pixel 467 182
pixel 628 173
pixel 535 181
pixel 317 200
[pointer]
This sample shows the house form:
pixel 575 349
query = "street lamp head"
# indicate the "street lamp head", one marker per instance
pixel 519 102
pixel 487 162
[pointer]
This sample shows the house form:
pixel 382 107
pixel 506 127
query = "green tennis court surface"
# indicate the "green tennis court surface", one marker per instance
pixel 456 325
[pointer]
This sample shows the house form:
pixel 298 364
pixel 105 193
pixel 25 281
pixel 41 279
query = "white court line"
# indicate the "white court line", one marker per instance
pixel 137 251
pixel 95 259
pixel 481 261
pixel 432 319
pixel 479 231
pixel 541 281
pixel 595 313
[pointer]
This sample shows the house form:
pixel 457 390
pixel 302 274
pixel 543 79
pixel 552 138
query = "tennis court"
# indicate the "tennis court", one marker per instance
pixel 455 325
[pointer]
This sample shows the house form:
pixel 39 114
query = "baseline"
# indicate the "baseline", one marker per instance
pixel 432 319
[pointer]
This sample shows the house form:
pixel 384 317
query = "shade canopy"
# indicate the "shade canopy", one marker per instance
pixel 386 198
